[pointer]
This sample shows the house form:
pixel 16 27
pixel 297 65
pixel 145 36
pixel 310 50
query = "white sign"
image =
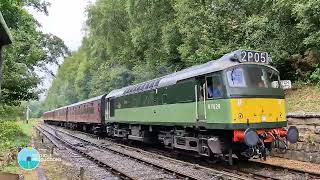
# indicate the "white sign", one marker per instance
pixel 286 84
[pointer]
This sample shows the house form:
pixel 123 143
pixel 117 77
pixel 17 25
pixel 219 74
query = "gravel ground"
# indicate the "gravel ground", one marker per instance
pixel 71 163
pixel 135 169
pixel 176 165
pixel 306 166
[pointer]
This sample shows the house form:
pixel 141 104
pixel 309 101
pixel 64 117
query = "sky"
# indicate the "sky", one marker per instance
pixel 66 20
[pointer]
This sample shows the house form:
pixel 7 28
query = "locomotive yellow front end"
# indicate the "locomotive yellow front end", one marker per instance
pixel 257 106
pixel 259 112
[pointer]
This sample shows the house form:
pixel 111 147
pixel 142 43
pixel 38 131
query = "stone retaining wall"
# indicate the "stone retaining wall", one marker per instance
pixel 308 147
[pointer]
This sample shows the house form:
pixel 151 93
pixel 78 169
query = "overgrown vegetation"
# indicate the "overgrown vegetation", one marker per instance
pixel 129 41
pixel 13 112
pixel 13 136
pixel 303 98
pixel 31 50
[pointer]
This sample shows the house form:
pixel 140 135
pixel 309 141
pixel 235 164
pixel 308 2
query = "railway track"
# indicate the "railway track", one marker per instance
pixel 251 169
pixel 82 145
pixel 53 138
pixel 242 174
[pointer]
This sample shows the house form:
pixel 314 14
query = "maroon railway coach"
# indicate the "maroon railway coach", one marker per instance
pixel 87 115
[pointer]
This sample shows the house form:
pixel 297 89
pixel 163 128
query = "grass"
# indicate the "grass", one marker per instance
pixel 27 128
pixel 303 99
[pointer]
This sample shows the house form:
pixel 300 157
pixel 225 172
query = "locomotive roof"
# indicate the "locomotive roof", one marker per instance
pixel 222 63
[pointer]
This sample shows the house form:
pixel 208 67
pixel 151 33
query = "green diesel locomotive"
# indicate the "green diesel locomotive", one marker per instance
pixel 232 105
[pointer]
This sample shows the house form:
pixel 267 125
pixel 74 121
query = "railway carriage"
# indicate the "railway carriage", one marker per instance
pixel 233 105
pixel 85 115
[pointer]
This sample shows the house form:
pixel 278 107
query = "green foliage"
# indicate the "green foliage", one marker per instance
pixel 11 135
pixel 307 12
pixel 36 109
pixel 129 41
pixel 31 49
pixel 14 135
pixel 315 77
pixel 12 112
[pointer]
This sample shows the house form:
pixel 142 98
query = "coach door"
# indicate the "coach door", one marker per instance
pixel 200 92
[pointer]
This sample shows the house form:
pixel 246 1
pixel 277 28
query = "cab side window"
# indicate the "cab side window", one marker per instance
pixel 214 86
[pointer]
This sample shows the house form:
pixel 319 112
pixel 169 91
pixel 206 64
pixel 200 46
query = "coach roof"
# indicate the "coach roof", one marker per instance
pixel 78 103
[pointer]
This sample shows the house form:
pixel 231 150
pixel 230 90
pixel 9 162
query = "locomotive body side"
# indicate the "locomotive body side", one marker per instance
pixel 187 104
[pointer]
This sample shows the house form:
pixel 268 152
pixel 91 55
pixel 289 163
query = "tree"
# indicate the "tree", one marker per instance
pixel 131 41
pixel 31 48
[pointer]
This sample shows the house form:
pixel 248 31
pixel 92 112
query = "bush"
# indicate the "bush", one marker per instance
pixel 12 112
pixel 315 77
pixel 11 136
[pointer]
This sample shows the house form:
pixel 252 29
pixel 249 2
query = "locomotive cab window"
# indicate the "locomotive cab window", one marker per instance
pixel 273 77
pixel 214 86
pixel 200 88
pixel 236 77
pixel 253 76
pixel 256 77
